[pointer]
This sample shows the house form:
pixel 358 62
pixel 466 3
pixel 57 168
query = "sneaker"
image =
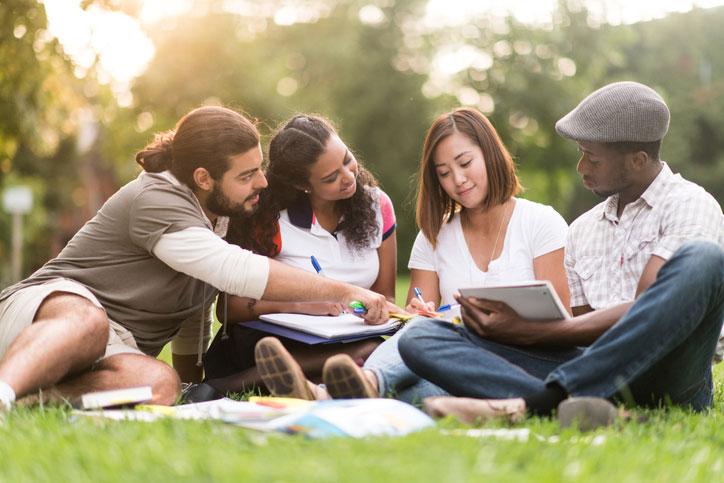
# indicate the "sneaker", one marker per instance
pixel 345 380
pixel 200 392
pixel 472 411
pixel 281 374
pixel 586 413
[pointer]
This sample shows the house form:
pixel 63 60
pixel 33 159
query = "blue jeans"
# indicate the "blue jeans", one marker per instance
pixel 394 379
pixel 660 350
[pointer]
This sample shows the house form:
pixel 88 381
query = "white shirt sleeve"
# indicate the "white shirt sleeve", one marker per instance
pixel 201 254
pixel 422 256
pixel 550 231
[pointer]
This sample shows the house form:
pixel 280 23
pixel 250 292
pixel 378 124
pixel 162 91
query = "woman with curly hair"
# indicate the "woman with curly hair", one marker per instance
pixel 320 202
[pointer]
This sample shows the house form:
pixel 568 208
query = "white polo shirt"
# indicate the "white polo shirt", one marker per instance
pixel 301 237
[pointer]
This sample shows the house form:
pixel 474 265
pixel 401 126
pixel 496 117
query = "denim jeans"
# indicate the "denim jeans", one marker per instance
pixel 394 379
pixel 660 350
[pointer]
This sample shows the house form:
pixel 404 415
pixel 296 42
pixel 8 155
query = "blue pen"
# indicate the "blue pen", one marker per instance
pixel 446 307
pixel 418 294
pixel 316 265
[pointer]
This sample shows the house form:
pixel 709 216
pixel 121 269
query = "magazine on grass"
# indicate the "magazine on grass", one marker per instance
pixel 330 327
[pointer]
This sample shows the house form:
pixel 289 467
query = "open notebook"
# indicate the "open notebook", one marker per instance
pixel 330 327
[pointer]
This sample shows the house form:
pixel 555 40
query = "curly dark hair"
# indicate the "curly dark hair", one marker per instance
pixel 293 149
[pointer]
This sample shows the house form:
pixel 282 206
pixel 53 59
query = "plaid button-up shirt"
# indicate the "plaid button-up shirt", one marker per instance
pixel 606 254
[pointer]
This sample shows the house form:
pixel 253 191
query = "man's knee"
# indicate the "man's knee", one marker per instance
pixel 68 306
pixel 705 255
pixel 90 323
pixel 415 342
pixel 142 370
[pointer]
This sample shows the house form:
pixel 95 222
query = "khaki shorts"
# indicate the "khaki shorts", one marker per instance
pixel 17 312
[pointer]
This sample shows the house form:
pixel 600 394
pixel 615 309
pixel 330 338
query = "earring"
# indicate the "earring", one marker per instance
pixel 307 191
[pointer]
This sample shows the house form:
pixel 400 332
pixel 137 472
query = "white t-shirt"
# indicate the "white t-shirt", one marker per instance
pixel 301 237
pixel 534 230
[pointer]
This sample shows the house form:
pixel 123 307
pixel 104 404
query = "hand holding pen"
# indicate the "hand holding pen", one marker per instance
pixel 419 306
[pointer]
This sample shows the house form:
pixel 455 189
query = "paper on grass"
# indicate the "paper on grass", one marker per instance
pixel 355 418
pixel 115 397
pixel 225 409
pixel 351 417
pixel 329 326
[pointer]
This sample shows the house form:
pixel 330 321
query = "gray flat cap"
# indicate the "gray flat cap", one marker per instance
pixel 622 111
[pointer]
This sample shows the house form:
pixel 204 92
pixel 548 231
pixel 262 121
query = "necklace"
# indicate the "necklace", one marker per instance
pixel 497 237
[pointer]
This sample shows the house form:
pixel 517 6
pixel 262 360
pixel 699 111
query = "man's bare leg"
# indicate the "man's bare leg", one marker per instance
pixel 122 371
pixel 68 334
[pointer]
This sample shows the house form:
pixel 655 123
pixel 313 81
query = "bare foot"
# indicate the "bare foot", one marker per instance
pixel 472 411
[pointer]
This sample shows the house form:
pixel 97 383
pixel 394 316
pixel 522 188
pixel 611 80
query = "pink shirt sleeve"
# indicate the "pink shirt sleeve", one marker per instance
pixel 389 222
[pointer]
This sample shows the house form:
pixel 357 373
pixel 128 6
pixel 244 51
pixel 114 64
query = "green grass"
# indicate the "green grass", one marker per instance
pixel 52 445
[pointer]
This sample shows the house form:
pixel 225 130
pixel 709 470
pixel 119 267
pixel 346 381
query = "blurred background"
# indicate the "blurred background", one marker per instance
pixel 85 84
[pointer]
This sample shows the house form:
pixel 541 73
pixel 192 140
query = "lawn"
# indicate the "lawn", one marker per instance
pixel 52 445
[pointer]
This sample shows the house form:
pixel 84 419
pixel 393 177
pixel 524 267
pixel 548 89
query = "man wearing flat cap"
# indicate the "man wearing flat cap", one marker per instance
pixel 646 273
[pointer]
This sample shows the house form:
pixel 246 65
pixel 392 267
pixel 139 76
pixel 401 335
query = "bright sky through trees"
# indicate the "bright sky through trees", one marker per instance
pixel 124 50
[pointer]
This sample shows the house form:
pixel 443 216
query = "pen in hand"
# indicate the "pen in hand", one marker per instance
pixel 424 311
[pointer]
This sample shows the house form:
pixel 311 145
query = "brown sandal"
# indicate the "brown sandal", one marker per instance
pixel 280 372
pixel 345 380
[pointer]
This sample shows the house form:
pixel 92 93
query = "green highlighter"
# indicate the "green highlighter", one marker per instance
pixel 357 307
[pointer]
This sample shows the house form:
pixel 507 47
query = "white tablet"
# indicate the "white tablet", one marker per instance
pixel 535 300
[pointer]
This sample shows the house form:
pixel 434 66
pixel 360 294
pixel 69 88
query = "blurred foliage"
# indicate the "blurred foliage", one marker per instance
pixel 375 79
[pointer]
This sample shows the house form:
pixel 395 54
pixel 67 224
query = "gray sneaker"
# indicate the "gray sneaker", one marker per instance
pixel 586 413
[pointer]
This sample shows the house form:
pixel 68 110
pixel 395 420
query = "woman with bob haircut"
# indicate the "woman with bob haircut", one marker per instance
pixel 320 202
pixel 473 232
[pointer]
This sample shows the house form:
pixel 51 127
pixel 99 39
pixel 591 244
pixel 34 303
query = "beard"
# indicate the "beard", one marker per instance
pixel 617 185
pixel 219 204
